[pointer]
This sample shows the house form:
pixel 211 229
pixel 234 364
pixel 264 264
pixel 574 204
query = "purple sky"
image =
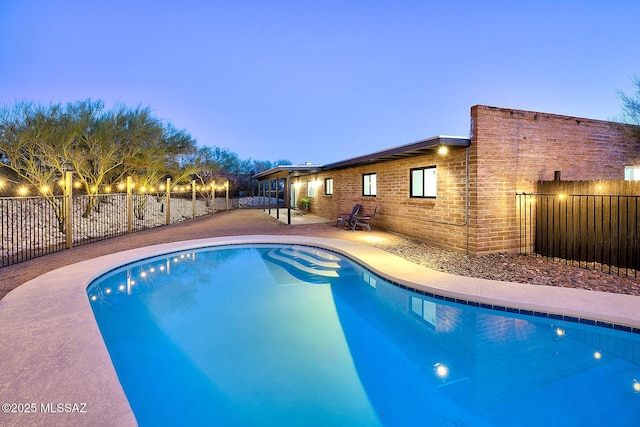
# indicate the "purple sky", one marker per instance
pixel 321 81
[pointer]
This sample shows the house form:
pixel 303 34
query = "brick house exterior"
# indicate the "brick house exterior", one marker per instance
pixel 474 210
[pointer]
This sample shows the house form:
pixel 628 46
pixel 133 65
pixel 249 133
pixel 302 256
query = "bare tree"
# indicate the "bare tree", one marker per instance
pixel 631 109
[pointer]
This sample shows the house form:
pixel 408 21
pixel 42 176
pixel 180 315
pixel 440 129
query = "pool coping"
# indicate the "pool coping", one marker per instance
pixel 53 353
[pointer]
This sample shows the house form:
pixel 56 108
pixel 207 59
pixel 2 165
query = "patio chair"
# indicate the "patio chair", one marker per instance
pixel 364 220
pixel 349 218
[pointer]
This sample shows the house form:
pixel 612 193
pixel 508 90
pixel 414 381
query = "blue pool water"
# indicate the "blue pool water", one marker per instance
pixel 294 335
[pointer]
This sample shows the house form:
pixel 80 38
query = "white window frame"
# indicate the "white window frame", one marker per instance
pixel 632 173
pixel 311 189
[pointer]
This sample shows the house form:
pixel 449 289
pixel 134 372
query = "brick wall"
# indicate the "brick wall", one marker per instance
pixel 511 150
pixel 440 221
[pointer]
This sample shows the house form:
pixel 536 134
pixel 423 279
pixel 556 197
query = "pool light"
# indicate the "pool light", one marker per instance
pixel 636 386
pixel 441 371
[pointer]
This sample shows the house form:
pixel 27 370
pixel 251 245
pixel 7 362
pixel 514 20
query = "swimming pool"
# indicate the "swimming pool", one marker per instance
pixel 273 334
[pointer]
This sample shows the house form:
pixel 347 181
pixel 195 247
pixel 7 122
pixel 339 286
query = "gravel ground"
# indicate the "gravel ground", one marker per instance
pixel 512 268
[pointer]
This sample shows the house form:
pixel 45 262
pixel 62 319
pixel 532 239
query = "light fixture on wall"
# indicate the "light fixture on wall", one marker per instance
pixel 443 150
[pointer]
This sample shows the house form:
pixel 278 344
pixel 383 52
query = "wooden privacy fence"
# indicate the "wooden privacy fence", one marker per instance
pixel 586 222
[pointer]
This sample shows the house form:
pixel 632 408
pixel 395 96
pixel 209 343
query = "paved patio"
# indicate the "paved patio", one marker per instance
pixel 52 350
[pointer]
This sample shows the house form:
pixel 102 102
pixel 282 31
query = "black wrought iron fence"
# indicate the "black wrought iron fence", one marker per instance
pixel 29 227
pixel 597 231
pixel 34 226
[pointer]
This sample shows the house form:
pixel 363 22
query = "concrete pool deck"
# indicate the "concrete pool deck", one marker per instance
pixel 52 352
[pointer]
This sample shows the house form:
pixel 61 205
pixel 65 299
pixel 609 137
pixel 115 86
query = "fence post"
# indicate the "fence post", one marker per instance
pixel 227 196
pixel 168 211
pixel 129 205
pixel 68 208
pixel 193 199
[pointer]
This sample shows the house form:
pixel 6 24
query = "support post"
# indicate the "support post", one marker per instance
pixel 68 208
pixel 288 198
pixel 129 205
pixel 277 180
pixel 227 196
pixel 193 199
pixel 168 203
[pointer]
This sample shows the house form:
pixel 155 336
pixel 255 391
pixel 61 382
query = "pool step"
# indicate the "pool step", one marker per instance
pixel 328 268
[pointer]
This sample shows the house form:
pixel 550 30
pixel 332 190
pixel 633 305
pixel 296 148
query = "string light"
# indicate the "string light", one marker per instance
pixel 78 184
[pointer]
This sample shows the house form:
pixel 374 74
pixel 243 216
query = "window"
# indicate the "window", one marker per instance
pixel 369 187
pixel 632 173
pixel 424 182
pixel 328 186
pixel 311 188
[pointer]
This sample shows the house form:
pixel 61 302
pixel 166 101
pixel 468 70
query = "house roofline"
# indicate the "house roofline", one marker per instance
pixel 408 150
pixel 402 151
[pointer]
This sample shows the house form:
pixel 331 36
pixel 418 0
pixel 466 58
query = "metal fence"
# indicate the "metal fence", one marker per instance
pixel 34 226
pixel 596 231
pixel 29 228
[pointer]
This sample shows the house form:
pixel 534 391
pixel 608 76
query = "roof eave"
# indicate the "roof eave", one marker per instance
pixel 414 148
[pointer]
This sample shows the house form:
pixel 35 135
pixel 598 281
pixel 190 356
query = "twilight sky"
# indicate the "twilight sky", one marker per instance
pixel 321 80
